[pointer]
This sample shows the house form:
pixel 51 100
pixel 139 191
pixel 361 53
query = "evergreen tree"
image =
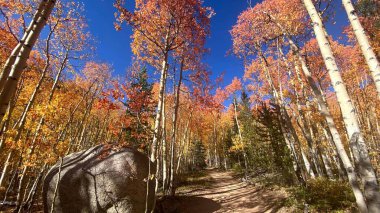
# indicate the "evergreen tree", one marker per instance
pixel 199 156
pixel 140 107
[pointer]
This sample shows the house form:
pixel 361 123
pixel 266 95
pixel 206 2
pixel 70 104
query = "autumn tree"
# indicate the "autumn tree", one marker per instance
pixel 363 42
pixel 175 24
pixel 136 94
pixel 16 63
pixel 350 117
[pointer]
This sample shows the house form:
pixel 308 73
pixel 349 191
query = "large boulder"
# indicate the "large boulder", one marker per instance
pixel 100 180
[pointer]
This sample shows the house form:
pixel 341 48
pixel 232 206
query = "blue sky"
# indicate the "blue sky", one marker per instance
pixel 114 46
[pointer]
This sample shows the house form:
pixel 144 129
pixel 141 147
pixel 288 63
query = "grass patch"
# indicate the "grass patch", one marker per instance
pixel 194 180
pixel 323 195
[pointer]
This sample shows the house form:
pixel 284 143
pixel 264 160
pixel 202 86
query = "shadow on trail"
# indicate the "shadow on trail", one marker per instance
pixel 254 200
pixel 198 204
pixel 187 204
pixel 222 192
pixel 226 193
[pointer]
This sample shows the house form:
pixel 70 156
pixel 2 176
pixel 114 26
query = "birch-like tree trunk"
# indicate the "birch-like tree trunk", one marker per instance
pixel 33 32
pixel 174 132
pixel 12 58
pixel 301 120
pixel 5 167
pixel 164 68
pixel 287 129
pixel 164 152
pixel 183 144
pixel 241 139
pixel 368 176
pixel 365 46
pixel 324 110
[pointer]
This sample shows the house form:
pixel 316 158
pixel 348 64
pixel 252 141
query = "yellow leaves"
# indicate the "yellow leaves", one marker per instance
pixel 51 159
pixel 238 145
pixel 152 22
pixel 31 160
pixel 62 147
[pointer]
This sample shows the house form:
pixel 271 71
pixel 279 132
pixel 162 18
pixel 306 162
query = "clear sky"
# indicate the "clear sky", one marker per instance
pixel 114 46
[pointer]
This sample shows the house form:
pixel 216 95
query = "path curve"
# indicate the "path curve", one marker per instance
pixel 229 194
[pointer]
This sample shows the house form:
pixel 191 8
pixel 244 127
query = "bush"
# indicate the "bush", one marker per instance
pixel 326 195
pixel 237 168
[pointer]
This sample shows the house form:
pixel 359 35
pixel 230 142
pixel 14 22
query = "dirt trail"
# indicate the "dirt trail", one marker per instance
pixel 228 194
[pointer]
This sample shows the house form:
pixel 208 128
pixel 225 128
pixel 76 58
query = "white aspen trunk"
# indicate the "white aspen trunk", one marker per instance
pixel 33 191
pixel 163 140
pixel 21 122
pixel 71 117
pixel 307 164
pixel 172 187
pixel 371 187
pixel 81 124
pixel 6 121
pixel 315 152
pixel 158 170
pixel 284 119
pixel 157 121
pixel 13 179
pixel 183 141
pixel 82 136
pixel 32 98
pixel 52 91
pixel 241 139
pixel 12 58
pixel 305 129
pixel 215 138
pixel 19 64
pixel 326 163
pixel 333 152
pixel 293 154
pixel 5 168
pixel 361 37
pixel 19 196
pixel 323 108
pixel 23 202
pixel 158 129
pixel 164 152
pixel 209 158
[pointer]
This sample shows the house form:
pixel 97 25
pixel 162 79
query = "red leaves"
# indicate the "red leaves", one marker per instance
pixel 259 25
pixel 161 26
pixel 234 86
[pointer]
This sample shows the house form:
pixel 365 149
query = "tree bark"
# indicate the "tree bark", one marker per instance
pixel 172 187
pixel 361 37
pixel 241 139
pixel 164 68
pixel 164 153
pixel 371 187
pixel 35 28
pixel 12 58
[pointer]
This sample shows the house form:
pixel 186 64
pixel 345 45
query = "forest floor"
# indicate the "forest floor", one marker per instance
pixel 222 191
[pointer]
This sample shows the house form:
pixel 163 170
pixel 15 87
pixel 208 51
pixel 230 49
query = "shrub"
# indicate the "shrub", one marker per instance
pixel 326 195
pixel 237 168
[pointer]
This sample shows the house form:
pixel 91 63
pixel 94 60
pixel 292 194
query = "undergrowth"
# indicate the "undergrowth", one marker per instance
pixel 323 195
pixel 194 180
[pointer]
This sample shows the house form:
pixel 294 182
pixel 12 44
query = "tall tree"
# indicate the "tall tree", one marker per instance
pixel 371 187
pixel 17 61
pixel 364 44
pixel 161 27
